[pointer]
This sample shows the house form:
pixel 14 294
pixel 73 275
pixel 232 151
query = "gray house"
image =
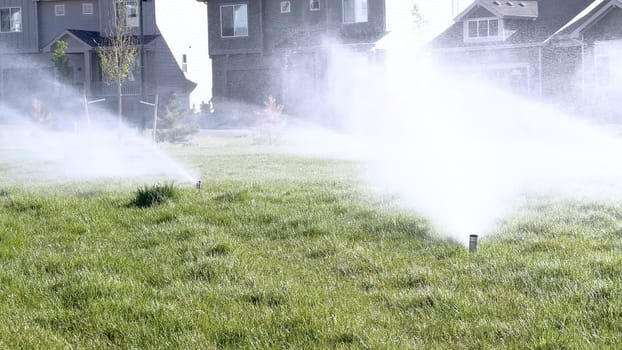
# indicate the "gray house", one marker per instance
pixel 567 52
pixel 272 47
pixel 30 29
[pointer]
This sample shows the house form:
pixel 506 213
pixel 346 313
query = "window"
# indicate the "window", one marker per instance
pixel 184 63
pixel 354 11
pixel 10 20
pixel 314 5
pixel 234 20
pixel 127 11
pixel 286 7
pixel 482 28
pixel 59 10
pixel 87 8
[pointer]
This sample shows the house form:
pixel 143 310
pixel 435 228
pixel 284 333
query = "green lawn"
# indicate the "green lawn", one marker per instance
pixel 278 251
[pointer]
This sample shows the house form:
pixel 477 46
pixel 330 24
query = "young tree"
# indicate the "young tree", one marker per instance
pixel 118 53
pixel 271 121
pixel 61 62
pixel 418 19
pixel 175 125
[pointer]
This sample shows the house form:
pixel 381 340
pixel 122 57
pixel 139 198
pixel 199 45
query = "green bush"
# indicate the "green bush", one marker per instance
pixel 175 123
pixel 149 196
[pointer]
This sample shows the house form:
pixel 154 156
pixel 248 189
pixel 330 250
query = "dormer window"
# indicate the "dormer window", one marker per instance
pixel 482 29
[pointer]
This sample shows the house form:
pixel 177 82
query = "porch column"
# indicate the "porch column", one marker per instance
pixel 87 73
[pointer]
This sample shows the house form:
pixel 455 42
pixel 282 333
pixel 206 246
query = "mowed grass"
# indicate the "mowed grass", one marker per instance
pixel 278 251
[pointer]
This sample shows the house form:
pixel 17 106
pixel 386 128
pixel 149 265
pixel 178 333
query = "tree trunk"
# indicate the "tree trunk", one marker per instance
pixel 120 102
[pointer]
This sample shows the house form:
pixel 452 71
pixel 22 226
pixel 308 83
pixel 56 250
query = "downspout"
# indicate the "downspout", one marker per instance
pixel 36 4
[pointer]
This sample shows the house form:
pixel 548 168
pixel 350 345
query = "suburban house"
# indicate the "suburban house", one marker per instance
pixel 172 57
pixel 559 50
pixel 273 47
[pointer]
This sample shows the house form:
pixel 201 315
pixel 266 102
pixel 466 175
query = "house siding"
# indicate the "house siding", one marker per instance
pixel 486 63
pixel 25 41
pixel 603 87
pixel 50 25
pixel 480 12
pixel 253 43
pixel 264 63
pixel 27 71
pixel 608 28
pixel 107 25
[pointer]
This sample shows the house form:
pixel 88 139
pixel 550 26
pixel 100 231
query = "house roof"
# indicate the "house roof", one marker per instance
pixel 586 18
pixel 504 9
pixel 93 39
pixel 551 16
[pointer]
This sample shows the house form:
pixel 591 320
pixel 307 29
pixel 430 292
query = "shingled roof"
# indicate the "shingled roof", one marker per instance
pixel 534 23
pixel 579 23
pixel 506 8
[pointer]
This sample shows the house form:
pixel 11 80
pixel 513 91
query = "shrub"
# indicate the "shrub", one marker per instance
pixel 271 122
pixel 149 196
pixel 175 123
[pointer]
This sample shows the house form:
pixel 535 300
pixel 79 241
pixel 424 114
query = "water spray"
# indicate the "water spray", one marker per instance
pixel 472 243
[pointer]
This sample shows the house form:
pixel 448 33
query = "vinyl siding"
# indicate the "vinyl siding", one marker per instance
pixel 26 40
pixel 50 25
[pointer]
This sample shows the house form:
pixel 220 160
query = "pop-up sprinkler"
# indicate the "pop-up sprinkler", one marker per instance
pixel 198 185
pixel 472 243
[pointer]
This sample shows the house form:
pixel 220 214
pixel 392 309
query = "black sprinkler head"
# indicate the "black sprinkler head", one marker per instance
pixel 472 243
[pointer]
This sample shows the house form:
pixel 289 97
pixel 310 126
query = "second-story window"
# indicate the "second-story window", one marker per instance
pixel 87 8
pixel 234 20
pixel 482 29
pixel 286 7
pixel 59 10
pixel 10 20
pixel 354 11
pixel 127 12
pixel 314 5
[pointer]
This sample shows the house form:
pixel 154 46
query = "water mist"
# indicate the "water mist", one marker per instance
pixel 46 136
pixel 459 151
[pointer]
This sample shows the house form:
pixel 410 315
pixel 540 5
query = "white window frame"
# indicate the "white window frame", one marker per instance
pixel 473 39
pixel 286 7
pixel 59 10
pixel 13 27
pixel 131 21
pixel 319 5
pixel 356 20
pixel 88 8
pixel 235 35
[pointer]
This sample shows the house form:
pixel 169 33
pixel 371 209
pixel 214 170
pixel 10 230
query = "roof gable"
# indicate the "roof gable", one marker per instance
pixel 591 15
pixel 480 12
pixel 75 41
pixel 551 16
pixel 502 9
